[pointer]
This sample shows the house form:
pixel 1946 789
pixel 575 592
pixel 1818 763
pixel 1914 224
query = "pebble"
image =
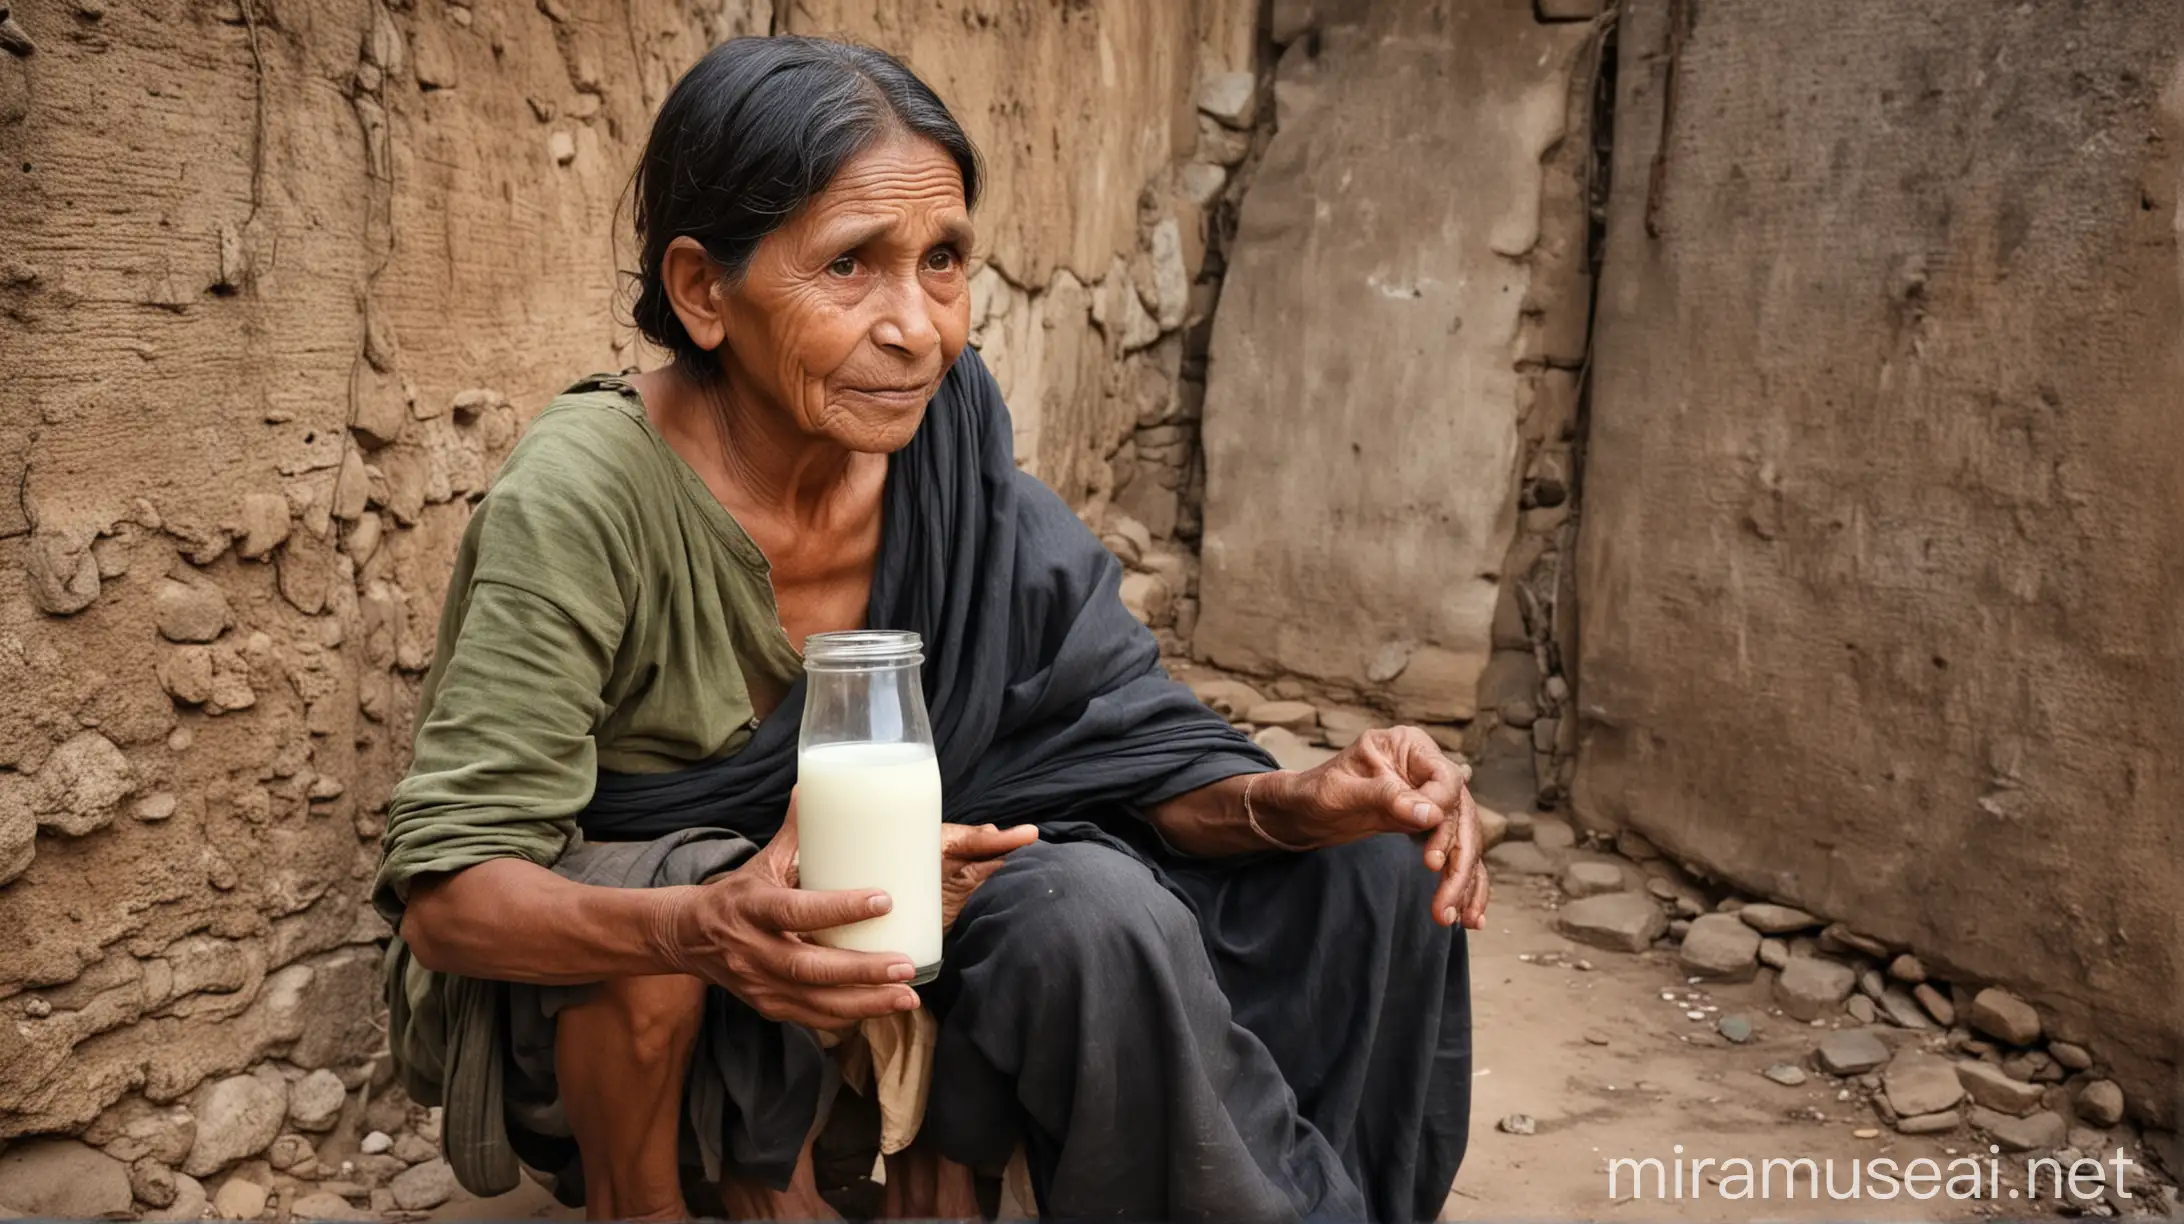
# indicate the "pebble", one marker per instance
pixel 1661 889
pixel 1736 1028
pixel 1785 1074
pixel 2002 1015
pixel 411 1149
pixel 1838 937
pixel 1866 1132
pixel 1518 1124
pixel 1229 698
pixel 424 1187
pixel 1588 879
pixel 1852 1052
pixel 315 1101
pixel 240 1198
pixel 1774 953
pixel 189 611
pixel 319 1205
pixel 1771 919
pixel 288 1151
pixel 1810 985
pixel 1230 97
pixel 1929 1124
pixel 1871 983
pixel 1552 834
pixel 153 1182
pixel 2086 1139
pixel 1297 716
pixel 375 1143
pixel 2038 1132
pixel 1907 968
pixel 1632 844
pixel 2073 1056
pixel 1862 1010
pixel 1678 928
pixel 1920 1083
pixel 1342 728
pixel 1936 1004
pixel 1690 907
pixel 1720 947
pixel 1521 857
pixel 2100 1103
pixel 1619 922
pixel 1595 1037
pixel 1988 1086
pixel 1902 1011
pixel 237 1118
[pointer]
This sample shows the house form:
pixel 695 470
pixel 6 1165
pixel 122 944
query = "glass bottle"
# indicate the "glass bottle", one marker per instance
pixel 868 790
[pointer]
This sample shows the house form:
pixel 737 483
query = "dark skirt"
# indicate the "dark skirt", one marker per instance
pixel 1267 1037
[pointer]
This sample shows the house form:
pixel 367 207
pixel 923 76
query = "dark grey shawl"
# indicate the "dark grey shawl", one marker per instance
pixel 1048 705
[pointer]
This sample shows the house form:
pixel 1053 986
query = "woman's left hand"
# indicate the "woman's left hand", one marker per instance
pixel 1392 780
pixel 968 855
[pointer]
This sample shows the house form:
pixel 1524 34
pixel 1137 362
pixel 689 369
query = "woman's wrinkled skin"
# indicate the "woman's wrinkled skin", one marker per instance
pixel 829 345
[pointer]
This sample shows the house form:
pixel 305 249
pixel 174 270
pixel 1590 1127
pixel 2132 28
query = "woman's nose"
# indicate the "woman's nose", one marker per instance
pixel 906 325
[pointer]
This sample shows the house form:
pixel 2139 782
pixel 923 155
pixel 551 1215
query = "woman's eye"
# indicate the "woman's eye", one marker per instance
pixel 843 265
pixel 942 259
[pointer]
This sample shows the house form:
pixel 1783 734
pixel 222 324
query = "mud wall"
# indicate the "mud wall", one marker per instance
pixel 283 279
pixel 1881 554
pixel 1391 389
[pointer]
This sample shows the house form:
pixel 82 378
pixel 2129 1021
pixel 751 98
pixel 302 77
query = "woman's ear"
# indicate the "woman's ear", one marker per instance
pixel 692 280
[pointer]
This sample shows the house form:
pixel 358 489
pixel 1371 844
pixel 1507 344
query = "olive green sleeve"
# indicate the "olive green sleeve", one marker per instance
pixel 504 754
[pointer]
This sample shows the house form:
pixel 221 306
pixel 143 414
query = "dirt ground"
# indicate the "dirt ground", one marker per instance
pixel 1600 1051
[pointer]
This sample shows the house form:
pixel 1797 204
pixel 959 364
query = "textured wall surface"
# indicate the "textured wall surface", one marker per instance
pixel 1883 534
pixel 1366 378
pixel 281 284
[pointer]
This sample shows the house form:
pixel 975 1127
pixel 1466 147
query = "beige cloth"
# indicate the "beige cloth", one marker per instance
pixel 891 1057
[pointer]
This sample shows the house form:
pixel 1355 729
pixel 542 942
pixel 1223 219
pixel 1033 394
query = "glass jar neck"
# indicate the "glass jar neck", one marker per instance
pixel 863 650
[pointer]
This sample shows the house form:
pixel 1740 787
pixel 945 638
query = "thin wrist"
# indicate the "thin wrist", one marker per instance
pixel 1270 808
pixel 668 938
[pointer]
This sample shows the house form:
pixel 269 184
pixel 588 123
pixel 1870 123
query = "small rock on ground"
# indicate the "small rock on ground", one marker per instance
pixel 1518 1124
pixel 1770 919
pixel 1810 985
pixel 288 1151
pixel 1298 716
pixel 375 1143
pixel 1774 953
pixel 2002 1015
pixel 1785 1074
pixel 1551 834
pixel 315 1101
pixel 319 1205
pixel 63 1178
pixel 1987 1085
pixel 1722 947
pixel 2073 1056
pixel 2100 1103
pixel 1581 880
pixel 240 1198
pixel 1852 1052
pixel 1902 1010
pixel 1621 922
pixel 424 1187
pixel 1521 857
pixel 1862 1010
pixel 2039 1132
pixel 1920 1083
pixel 1735 1028
pixel 1907 968
pixel 2086 1139
pixel 237 1118
pixel 190 1201
pixel 1929 1124
pixel 1840 938
pixel 1936 1004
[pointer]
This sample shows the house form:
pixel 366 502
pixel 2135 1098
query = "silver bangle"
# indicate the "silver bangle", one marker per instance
pixel 1253 819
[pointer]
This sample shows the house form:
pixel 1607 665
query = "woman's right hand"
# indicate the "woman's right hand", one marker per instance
pixel 747 933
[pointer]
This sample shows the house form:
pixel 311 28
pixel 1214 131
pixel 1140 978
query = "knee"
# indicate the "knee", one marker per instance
pixel 1090 904
pixel 1391 865
pixel 651 1021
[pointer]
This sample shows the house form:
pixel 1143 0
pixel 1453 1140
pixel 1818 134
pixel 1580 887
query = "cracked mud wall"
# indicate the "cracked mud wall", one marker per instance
pixel 282 281
pixel 1884 515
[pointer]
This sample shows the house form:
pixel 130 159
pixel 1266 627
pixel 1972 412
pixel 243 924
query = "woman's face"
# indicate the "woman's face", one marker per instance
pixel 849 314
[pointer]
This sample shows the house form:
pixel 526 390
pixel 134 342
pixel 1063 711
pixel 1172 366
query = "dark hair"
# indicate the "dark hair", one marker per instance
pixel 747 136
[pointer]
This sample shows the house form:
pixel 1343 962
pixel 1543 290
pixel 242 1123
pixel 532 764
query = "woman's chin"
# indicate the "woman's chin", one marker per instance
pixel 869 429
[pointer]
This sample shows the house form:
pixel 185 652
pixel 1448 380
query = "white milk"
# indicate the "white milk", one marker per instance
pixel 868 816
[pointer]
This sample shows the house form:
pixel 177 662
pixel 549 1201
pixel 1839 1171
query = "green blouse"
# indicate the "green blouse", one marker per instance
pixel 606 612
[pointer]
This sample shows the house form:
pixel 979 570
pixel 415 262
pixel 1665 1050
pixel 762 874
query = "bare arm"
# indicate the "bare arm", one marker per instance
pixel 514 921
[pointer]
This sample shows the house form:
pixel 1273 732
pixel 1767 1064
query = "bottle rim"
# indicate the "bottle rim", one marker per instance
pixel 864 648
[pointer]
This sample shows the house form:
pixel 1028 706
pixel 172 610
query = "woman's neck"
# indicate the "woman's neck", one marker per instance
pixel 753 456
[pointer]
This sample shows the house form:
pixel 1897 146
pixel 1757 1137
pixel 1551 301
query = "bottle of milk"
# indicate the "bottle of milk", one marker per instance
pixel 868 790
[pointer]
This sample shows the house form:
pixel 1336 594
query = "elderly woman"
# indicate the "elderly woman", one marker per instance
pixel 1179 983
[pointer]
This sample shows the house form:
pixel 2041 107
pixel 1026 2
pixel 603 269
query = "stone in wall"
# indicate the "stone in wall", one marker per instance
pixel 254 383
pixel 1879 568
pixel 1362 394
